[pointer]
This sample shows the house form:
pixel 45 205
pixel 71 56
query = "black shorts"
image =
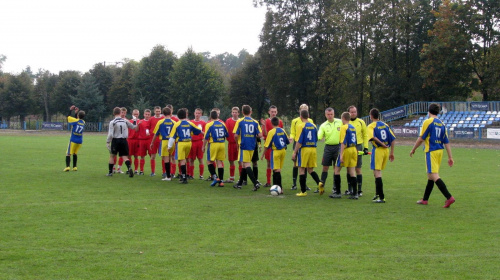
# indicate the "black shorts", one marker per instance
pixel 119 146
pixel 255 156
pixel 330 155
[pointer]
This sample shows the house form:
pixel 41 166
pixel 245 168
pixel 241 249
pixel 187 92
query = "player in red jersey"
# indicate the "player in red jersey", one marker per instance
pixel 133 142
pixel 173 166
pixel 156 144
pixel 232 147
pixel 266 127
pixel 197 144
pixel 144 132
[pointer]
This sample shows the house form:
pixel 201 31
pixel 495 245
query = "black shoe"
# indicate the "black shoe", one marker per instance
pixel 294 188
pixel 130 173
pixel 109 174
pixel 316 191
pixel 257 186
pixel 237 186
pixel 335 195
pixel 307 188
pixel 183 181
pixel 244 183
pixel 360 193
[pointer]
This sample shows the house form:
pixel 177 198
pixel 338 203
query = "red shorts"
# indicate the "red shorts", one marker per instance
pixel 268 154
pixel 156 147
pixel 144 148
pixel 133 147
pixel 232 151
pixel 196 152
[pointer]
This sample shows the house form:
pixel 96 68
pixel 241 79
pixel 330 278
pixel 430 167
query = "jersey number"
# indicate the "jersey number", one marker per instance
pixel 79 129
pixel 383 135
pixel 249 128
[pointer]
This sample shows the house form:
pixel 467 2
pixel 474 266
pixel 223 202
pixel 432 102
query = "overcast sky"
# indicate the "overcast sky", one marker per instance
pixel 59 35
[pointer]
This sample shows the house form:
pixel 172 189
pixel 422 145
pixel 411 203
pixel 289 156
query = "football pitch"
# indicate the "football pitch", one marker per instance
pixel 84 225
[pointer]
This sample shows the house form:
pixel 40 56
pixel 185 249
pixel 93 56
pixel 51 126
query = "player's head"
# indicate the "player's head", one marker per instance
pixel 147 114
pixel 214 115
pixel 157 111
pixel 374 114
pixel 197 113
pixel 181 114
pixel 304 114
pixel 247 110
pixel 329 113
pixel 216 110
pixel 123 112
pixel 185 110
pixel 167 111
pixel 81 115
pixel 275 121
pixel 116 111
pixel 135 113
pixel 273 111
pixel 303 107
pixel 170 106
pixel 353 112
pixel 346 117
pixel 235 112
pixel 434 109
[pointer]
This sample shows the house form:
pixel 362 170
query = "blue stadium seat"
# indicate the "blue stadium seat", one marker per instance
pixel 482 126
pixel 489 123
pixel 459 125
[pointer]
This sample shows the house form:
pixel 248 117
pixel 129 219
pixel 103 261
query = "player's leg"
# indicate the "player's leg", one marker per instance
pixel 269 170
pixel 68 157
pixel 359 175
pixel 302 181
pixel 353 181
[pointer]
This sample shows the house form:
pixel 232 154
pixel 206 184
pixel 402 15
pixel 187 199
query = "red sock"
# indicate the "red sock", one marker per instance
pixel 268 175
pixel 114 162
pixel 163 166
pixel 136 163
pixel 172 168
pixel 202 169
pixel 120 161
pixel 153 165
pixel 142 161
pixel 188 167
pixel 231 170
pixel 191 170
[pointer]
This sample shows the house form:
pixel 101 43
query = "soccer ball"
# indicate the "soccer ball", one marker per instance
pixel 275 190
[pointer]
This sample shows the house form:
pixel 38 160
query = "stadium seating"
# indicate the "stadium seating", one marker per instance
pixel 460 119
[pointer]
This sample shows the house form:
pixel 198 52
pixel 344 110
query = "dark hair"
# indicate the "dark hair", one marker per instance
pixel 304 114
pixel 214 115
pixel 147 111
pixel 272 107
pixel 329 109
pixel 246 109
pixel 434 108
pixel 157 107
pixel 346 116
pixel 375 113
pixel 81 115
pixel 350 107
pixel 181 114
pixel 170 106
pixel 117 111
pixel 167 111
pixel 275 121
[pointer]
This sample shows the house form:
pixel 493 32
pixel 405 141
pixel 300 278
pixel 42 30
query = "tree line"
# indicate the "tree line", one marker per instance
pixel 326 53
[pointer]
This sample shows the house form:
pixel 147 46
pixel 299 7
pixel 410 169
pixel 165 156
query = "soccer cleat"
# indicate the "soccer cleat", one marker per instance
pixel 164 175
pixel 257 186
pixel 347 192
pixel 166 179
pixel 152 174
pixel 230 180
pixel 119 171
pixel 237 186
pixel 136 173
pixel 307 188
pixel 130 174
pixel 267 185
pixel 294 187
pixel 214 182
pixel 321 188
pixel 360 193
pixel 183 181
pixel 301 194
pixel 423 202
pixel 335 195
pixel 375 197
pixel 379 201
pixel 141 173
pixel 114 170
pixel 109 174
pixel 201 177
pixel 221 184
pixel 244 183
pixel 66 169
pixel 190 177
pixel 353 197
pixel 449 202
pixel 75 168
pixel 316 191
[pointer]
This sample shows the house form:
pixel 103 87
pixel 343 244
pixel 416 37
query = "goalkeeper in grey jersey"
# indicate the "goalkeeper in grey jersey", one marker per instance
pixel 117 141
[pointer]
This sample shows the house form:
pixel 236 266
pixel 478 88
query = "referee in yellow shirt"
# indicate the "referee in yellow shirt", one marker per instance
pixel 362 137
pixel 330 131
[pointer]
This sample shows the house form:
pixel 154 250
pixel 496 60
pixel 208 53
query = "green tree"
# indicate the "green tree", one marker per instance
pixel 45 88
pixel 104 76
pixel 66 87
pixel 121 92
pixel 195 83
pixel 89 98
pixel 3 58
pixel 17 96
pixel 152 80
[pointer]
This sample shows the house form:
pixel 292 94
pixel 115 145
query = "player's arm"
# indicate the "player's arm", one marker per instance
pixel 110 135
pixel 391 153
pixel 450 157
pixel 236 131
pixel 264 128
pixel 321 132
pixel 419 142
pixel 292 130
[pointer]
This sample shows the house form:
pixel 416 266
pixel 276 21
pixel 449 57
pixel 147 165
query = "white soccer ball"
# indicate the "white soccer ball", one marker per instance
pixel 275 190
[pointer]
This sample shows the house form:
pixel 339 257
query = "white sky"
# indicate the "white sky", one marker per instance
pixel 58 35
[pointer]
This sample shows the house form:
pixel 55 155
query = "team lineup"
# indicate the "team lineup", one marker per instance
pixel 180 142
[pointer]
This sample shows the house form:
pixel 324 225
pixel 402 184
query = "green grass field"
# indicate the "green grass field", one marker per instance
pixel 84 225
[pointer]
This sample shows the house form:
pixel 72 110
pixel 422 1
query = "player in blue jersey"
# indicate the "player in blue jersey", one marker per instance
pixel 276 142
pixel 305 153
pixel 245 131
pixel 382 139
pixel 348 156
pixel 76 139
pixel 435 137
pixel 181 136
pixel 162 130
pixel 215 135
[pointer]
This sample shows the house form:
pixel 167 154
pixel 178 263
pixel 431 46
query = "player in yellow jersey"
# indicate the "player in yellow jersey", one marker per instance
pixel 362 145
pixel 295 130
pixel 75 142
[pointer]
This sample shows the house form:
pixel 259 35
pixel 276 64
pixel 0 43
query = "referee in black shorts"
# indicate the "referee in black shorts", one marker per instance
pixel 330 131
pixel 117 141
